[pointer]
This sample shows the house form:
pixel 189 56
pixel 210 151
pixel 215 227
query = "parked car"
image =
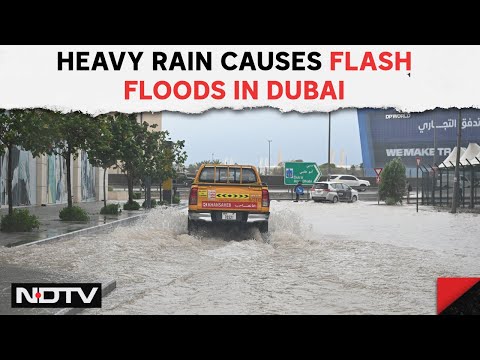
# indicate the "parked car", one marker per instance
pixel 183 180
pixel 351 181
pixel 333 192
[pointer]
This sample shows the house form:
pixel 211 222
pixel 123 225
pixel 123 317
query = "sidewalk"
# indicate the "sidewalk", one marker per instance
pixel 51 225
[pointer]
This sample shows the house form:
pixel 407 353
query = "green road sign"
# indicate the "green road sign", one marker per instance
pixel 306 172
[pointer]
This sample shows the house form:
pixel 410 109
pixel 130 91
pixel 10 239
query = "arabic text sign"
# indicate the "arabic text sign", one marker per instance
pixel 451 123
pixel 306 172
pixel 229 205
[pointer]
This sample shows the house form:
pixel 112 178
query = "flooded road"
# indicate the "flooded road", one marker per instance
pixel 318 259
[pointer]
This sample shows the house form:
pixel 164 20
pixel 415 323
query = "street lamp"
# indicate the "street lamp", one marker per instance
pixel 269 141
pixel 434 142
pixel 456 182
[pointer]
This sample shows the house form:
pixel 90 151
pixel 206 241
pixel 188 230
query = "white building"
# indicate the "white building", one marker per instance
pixel 43 180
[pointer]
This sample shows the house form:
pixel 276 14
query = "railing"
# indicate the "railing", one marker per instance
pixel 437 184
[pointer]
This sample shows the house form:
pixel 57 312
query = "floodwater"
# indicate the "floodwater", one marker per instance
pixel 341 258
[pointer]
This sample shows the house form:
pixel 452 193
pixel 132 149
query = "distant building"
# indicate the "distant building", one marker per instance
pixel 386 134
pixel 151 119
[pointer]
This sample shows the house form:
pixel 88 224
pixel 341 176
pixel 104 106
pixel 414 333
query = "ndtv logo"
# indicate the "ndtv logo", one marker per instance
pixel 49 295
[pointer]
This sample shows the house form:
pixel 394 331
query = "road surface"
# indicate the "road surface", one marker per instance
pixel 342 258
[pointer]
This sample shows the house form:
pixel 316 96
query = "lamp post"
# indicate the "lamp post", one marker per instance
pixel 269 141
pixel 456 182
pixel 434 142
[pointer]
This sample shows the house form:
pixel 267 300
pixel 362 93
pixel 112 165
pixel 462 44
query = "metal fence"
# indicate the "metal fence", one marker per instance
pixel 437 185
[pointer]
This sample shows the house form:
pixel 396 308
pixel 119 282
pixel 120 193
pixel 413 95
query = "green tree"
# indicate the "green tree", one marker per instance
pixel 24 129
pixel 324 168
pixel 162 156
pixel 193 168
pixel 392 182
pixel 103 150
pixel 133 140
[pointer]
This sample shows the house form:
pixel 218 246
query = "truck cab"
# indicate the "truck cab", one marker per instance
pixel 228 194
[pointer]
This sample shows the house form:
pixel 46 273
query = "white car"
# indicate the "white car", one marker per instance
pixel 333 192
pixel 351 180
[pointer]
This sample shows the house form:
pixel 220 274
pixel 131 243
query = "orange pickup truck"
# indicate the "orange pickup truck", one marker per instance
pixel 229 194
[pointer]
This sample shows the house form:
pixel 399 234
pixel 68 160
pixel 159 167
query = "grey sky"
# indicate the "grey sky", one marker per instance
pixel 241 136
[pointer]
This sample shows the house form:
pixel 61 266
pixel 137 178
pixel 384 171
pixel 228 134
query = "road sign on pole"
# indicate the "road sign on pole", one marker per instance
pixel 378 171
pixel 306 172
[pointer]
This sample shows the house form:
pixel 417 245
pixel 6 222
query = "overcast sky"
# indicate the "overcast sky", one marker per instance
pixel 241 136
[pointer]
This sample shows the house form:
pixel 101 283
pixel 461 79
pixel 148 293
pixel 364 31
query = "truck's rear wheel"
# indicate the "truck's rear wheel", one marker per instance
pixel 263 227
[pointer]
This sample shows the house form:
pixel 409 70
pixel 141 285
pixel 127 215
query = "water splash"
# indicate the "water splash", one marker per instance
pixel 317 258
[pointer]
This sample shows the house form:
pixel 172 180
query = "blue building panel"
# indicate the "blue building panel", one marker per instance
pixel 386 134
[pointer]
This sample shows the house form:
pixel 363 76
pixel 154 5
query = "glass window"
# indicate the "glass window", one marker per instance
pixel 234 176
pixel 321 186
pixel 222 174
pixel 248 176
pixel 333 176
pixel 207 174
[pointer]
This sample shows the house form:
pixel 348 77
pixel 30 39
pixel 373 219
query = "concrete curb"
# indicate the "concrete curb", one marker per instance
pixel 107 288
pixel 85 231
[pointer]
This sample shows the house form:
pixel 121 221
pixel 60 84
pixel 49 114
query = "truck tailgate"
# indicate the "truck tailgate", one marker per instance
pixel 227 197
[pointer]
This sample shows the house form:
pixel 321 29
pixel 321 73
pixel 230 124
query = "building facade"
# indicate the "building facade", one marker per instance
pixel 43 180
pixel 431 136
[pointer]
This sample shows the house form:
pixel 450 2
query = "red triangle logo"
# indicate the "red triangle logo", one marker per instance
pixel 450 289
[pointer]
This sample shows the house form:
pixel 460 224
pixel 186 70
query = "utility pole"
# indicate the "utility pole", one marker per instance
pixel 434 142
pixel 269 141
pixel 329 134
pixel 456 182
